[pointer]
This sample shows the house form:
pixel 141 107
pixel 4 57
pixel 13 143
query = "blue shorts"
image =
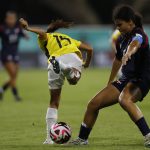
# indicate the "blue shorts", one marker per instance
pixel 141 83
pixel 9 58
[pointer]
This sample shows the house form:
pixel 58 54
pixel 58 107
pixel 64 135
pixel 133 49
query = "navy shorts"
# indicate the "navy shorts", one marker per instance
pixel 9 57
pixel 142 84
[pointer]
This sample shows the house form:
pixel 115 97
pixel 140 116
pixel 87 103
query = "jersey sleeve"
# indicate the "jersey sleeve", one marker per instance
pixel 115 35
pixel 77 43
pixel 22 33
pixel 138 37
pixel 41 43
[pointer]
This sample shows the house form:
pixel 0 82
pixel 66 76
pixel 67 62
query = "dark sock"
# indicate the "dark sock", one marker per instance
pixel 15 91
pixel 5 86
pixel 143 126
pixel 84 132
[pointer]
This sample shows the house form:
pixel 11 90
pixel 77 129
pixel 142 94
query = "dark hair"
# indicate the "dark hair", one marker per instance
pixel 127 13
pixel 54 25
pixel 11 12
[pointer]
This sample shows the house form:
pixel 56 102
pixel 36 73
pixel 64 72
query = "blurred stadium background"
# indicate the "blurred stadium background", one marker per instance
pixel 22 125
pixel 92 18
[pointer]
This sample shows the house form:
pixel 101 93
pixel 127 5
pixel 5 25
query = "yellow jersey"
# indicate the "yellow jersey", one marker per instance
pixel 116 34
pixel 58 44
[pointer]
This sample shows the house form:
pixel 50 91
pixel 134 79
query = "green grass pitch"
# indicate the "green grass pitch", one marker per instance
pixel 22 125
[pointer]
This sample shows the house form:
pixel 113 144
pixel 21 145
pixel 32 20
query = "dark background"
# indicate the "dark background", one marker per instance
pixel 79 11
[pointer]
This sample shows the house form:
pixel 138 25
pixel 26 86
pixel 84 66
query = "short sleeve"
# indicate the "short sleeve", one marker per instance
pixel 41 43
pixel 77 43
pixel 22 33
pixel 138 37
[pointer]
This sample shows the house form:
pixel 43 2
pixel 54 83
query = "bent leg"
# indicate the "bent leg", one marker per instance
pixel 12 69
pixel 127 99
pixel 107 97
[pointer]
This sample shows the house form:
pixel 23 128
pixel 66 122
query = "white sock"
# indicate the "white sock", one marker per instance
pixel 51 118
pixel 148 135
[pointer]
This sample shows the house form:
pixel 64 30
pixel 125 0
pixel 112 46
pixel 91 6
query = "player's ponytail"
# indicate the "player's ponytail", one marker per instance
pixel 54 25
pixel 138 20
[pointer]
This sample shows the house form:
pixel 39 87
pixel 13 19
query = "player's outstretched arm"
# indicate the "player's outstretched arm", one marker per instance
pixel 89 52
pixel 115 68
pixel 132 49
pixel 42 34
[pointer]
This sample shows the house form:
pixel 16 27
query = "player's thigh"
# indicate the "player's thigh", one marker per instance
pixel 108 96
pixel 55 81
pixel 131 92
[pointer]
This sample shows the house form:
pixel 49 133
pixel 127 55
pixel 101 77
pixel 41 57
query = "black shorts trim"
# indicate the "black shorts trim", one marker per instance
pixel 142 84
pixel 10 58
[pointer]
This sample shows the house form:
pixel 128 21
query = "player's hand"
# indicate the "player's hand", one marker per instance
pixel 125 58
pixel 23 23
pixel 85 65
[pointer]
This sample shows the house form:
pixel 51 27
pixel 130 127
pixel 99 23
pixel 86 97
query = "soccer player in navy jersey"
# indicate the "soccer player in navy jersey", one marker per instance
pixel 10 34
pixel 133 54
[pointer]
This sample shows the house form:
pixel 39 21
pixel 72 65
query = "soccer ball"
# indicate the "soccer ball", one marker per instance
pixel 60 133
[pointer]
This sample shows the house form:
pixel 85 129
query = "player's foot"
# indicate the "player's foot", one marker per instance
pixel 55 65
pixel 18 98
pixel 50 142
pixel 147 141
pixel 78 141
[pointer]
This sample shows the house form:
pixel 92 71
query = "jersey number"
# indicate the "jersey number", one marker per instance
pixel 60 38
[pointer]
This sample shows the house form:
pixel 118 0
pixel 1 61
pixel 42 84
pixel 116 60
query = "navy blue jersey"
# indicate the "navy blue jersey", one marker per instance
pixel 10 38
pixel 139 64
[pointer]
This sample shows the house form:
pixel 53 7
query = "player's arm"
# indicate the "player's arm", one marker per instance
pixel 132 48
pixel 89 52
pixel 115 68
pixel 42 34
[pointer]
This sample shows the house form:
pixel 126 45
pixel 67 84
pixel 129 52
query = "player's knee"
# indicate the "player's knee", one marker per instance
pixel 73 81
pixel 125 102
pixel 92 105
pixel 74 76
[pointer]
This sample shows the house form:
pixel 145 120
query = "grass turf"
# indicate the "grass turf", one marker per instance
pixel 22 124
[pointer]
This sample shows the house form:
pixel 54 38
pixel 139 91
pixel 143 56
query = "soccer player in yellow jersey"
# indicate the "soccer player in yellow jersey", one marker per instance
pixel 115 36
pixel 65 61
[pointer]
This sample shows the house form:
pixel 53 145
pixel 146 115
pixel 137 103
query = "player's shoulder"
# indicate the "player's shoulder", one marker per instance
pixel 116 34
pixel 139 31
pixel 58 34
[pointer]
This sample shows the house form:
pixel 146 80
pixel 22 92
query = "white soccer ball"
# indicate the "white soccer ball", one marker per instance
pixel 60 133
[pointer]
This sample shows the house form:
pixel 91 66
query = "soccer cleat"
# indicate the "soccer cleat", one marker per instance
pixel 147 141
pixel 78 141
pixel 55 65
pixel 50 142
pixel 17 98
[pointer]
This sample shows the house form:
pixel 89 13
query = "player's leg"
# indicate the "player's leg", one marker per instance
pixel 14 88
pixel 12 69
pixel 55 85
pixel 127 99
pixel 6 85
pixel 71 66
pixel 101 100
